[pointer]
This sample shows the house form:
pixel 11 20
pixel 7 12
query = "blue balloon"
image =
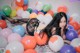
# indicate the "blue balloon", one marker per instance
pixel 67 49
pixel 70 27
pixel 2 14
pixel 43 12
pixel 19 29
pixel 71 34
pixel 25 2
pixel 36 11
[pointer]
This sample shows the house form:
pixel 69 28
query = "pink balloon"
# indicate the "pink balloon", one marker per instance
pixel 5 32
pixel 14 37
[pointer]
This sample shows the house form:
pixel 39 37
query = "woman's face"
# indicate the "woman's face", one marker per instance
pixel 62 23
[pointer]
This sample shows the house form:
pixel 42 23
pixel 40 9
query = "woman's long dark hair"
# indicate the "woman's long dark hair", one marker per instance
pixel 55 23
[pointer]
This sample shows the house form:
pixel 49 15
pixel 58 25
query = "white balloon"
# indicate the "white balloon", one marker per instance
pixel 25 14
pixel 48 19
pixel 57 44
pixel 19 12
pixel 41 18
pixel 14 47
pixel 75 42
pixel 3 42
pixel 14 37
pixel 39 6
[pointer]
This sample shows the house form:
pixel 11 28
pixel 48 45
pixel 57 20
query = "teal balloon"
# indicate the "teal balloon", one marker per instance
pixel 7 10
pixel 46 7
pixel 2 14
pixel 29 10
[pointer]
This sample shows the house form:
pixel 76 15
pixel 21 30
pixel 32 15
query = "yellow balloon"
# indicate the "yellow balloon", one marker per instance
pixel 13 13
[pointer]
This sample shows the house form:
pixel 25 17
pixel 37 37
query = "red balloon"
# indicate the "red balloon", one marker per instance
pixel 75 25
pixel 78 49
pixel 25 7
pixel 29 42
pixel 62 9
pixel 51 12
pixel 19 2
pixel 3 24
pixel 30 51
pixel 41 40
pixel 79 32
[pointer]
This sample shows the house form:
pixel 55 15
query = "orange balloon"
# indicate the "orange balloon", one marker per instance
pixel 19 2
pixel 53 39
pixel 78 49
pixel 74 24
pixel 17 8
pixel 41 40
pixel 51 12
pixel 3 24
pixel 62 9
pixel 33 15
pixel 8 51
pixel 29 42
pixel 30 51
pixel 25 7
pixel 70 19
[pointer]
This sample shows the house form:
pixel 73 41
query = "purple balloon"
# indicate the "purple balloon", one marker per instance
pixel 70 27
pixel 67 49
pixel 71 34
pixel 36 11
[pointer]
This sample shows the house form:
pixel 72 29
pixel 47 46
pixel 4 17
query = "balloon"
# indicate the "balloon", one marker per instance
pixel 7 10
pixel 70 27
pixel 46 7
pixel 19 8
pixel 14 47
pixel 74 24
pixel 6 32
pixel 25 14
pixel 40 13
pixel 19 12
pixel 67 49
pixel 43 11
pixel 55 43
pixel 30 51
pixel 79 32
pixel 33 15
pixel 35 11
pixel 71 34
pixel 41 17
pixel 51 12
pixel 41 40
pixel 76 44
pixel 39 6
pixel 19 29
pixel 19 2
pixel 2 14
pixel 3 24
pixel 29 10
pixel 47 19
pixel 3 42
pixel 25 7
pixel 14 37
pixel 13 13
pixel 29 42
pixel 25 2
pixel 62 9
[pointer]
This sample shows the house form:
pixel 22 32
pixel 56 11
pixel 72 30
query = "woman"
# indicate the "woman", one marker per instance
pixel 58 26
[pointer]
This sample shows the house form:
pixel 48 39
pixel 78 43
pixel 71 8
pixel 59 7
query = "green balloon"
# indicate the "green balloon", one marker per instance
pixel 7 10
pixel 46 7
pixel 29 10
